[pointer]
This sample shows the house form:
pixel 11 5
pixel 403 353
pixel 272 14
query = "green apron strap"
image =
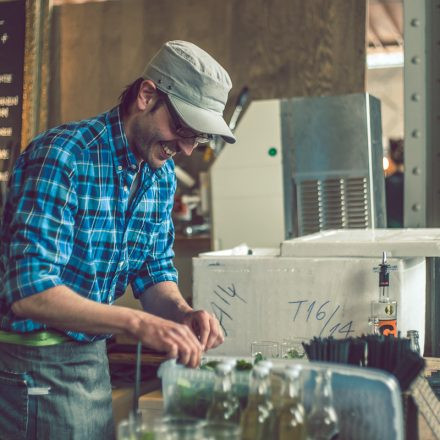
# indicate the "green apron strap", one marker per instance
pixel 37 338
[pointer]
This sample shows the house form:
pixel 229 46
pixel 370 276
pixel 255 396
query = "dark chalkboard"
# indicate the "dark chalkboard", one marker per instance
pixel 12 43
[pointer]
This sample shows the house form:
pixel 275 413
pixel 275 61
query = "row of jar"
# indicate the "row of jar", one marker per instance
pixel 268 417
pixel 269 411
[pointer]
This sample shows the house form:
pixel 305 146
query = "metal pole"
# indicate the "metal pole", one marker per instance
pixel 422 140
pixel 415 113
pixel 433 154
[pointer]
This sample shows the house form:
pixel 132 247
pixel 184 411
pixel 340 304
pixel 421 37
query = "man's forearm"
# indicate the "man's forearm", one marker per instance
pixel 165 300
pixel 63 309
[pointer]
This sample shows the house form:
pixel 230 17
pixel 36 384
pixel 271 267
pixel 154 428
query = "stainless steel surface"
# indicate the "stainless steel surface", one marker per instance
pixel 415 114
pixel 333 175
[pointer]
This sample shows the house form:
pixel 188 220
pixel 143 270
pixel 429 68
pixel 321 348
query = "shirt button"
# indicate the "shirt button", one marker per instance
pixel 133 166
pixel 125 188
pixel 119 167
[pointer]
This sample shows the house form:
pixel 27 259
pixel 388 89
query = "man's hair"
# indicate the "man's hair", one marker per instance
pixel 130 93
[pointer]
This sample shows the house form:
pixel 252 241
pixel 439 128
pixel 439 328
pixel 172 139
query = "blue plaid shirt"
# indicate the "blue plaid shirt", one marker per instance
pixel 68 219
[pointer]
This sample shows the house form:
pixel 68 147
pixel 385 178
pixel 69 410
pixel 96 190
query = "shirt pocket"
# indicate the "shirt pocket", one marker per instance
pixel 151 235
pixel 144 242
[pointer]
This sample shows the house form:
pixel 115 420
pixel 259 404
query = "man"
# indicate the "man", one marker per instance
pixel 394 186
pixel 89 212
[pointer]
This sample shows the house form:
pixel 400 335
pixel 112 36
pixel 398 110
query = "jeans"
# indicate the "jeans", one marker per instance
pixel 58 392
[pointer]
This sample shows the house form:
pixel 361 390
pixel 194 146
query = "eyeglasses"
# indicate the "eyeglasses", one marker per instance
pixel 181 130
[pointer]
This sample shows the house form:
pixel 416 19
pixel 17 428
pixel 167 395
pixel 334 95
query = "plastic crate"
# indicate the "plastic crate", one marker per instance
pixel 189 391
pixel 367 401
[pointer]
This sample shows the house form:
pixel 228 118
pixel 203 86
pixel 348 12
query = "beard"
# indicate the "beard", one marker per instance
pixel 144 143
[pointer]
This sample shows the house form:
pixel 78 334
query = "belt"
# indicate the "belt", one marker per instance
pixel 38 338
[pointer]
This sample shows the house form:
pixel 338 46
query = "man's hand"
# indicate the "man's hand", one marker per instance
pixel 177 340
pixel 205 326
pixel 164 299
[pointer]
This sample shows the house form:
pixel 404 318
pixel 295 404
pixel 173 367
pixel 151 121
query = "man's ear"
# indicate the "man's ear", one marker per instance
pixel 146 95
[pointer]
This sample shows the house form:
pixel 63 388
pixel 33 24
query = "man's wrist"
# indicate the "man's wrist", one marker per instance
pixel 182 310
pixel 133 322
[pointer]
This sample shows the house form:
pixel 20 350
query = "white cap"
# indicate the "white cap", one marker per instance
pixel 196 85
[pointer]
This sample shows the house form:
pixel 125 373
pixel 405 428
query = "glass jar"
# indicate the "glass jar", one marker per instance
pixel 257 418
pixel 291 418
pixel 265 349
pixel 413 336
pixel 222 431
pixel 135 428
pixel 179 428
pixel 292 348
pixel 225 406
pixel 322 421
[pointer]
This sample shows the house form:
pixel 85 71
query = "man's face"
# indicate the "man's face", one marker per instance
pixel 154 139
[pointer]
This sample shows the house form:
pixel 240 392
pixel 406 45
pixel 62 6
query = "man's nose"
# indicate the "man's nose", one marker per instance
pixel 187 146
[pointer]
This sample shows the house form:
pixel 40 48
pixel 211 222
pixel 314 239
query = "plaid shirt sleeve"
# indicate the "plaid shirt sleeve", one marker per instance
pixel 40 232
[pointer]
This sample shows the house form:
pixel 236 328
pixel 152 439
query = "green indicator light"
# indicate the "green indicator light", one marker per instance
pixel 272 151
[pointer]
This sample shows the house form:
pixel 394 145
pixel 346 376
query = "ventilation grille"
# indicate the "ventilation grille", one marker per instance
pixel 332 204
pixel 356 203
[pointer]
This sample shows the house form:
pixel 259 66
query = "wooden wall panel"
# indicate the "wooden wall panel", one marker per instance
pixel 278 48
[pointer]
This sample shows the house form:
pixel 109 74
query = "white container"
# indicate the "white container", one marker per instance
pixel 399 243
pixel 270 296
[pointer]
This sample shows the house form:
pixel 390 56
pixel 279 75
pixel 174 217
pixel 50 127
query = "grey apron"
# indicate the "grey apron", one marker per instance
pixel 58 392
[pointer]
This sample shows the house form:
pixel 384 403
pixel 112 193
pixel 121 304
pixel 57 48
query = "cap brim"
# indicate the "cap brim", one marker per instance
pixel 201 120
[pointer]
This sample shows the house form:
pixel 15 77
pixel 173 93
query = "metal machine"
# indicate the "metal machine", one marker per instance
pixel 299 166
